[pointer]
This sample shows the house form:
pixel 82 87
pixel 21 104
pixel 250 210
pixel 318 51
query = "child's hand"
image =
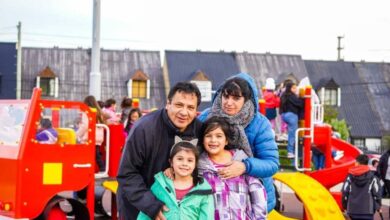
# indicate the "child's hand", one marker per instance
pixel 160 215
pixel 234 169
pixel 169 173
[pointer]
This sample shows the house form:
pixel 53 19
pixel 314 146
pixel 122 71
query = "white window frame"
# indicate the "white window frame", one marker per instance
pixel 130 89
pixel 327 98
pixel 205 88
pixel 53 85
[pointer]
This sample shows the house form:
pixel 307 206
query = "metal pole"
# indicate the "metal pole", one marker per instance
pixel 95 75
pixel 339 48
pixel 19 63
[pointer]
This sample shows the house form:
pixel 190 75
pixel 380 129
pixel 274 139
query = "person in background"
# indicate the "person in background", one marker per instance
pixel 126 108
pixel 250 201
pixel 101 104
pixel 148 147
pixel 82 132
pixel 237 100
pixel 133 116
pixel 361 191
pixel 272 101
pixel 46 133
pixel 384 171
pixel 283 125
pixel 110 110
pixel 291 106
pixel 186 196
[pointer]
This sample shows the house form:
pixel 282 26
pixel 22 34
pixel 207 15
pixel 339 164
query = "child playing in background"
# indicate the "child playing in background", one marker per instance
pixel 361 191
pixel 133 116
pixel 46 134
pixel 272 101
pixel 241 197
pixel 187 196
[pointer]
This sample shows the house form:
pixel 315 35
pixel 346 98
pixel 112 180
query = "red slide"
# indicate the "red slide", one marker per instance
pixel 334 172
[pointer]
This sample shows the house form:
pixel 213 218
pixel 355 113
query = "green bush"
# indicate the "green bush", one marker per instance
pixel 330 117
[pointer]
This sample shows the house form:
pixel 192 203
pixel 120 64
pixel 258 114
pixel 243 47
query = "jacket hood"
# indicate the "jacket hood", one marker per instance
pixel 359 170
pixel 361 174
pixel 205 164
pixel 252 86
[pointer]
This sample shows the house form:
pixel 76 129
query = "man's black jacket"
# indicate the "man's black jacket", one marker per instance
pixel 147 153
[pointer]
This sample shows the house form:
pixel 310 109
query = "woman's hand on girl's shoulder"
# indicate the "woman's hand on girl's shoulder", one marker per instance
pixel 234 169
pixel 169 173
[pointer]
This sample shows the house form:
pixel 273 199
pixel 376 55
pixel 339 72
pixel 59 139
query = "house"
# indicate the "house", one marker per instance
pixel 63 74
pixel 7 70
pixel 360 91
pixel 339 85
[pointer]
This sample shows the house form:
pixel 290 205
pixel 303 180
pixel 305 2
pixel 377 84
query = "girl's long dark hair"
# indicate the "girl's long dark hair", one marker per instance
pixel 187 146
pixel 91 102
pixel 287 93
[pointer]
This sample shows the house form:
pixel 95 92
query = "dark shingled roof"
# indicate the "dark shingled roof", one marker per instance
pixel 276 66
pixel 376 79
pixel 7 70
pixel 218 66
pixel 355 105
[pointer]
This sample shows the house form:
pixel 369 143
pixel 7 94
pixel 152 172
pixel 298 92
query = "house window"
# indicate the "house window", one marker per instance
pixel 205 90
pixel 47 86
pixel 330 93
pixel 359 142
pixel 203 82
pixel 330 96
pixel 48 82
pixel 139 89
pixel 138 85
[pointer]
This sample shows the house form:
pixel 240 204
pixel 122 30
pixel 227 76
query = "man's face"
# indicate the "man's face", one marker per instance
pixel 182 109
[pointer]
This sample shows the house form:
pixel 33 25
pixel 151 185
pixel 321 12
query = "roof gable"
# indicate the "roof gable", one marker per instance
pixel 139 75
pixel 199 75
pixel 47 73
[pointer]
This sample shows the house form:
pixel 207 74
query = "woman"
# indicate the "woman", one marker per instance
pixel 290 108
pixel 82 132
pixel 236 100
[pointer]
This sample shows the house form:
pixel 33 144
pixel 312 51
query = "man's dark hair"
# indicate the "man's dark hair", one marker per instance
pixel 362 159
pixel 186 87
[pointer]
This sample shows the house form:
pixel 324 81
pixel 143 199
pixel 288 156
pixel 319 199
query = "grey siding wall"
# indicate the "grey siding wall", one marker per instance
pixel 72 67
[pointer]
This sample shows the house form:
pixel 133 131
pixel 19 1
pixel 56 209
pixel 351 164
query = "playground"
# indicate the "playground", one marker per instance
pixel 53 172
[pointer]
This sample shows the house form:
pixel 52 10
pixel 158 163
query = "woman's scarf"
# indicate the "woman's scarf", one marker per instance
pixel 238 123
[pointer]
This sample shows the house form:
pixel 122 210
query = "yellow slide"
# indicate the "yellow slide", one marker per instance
pixel 316 199
pixel 111 185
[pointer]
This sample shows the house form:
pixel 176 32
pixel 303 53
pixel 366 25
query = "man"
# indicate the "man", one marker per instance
pixel 148 147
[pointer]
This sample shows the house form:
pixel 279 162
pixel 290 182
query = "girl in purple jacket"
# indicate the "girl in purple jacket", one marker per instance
pixel 241 197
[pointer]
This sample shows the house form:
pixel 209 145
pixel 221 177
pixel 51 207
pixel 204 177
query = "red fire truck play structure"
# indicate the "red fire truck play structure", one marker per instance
pixel 33 174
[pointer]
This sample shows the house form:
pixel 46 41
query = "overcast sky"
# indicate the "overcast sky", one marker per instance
pixel 305 27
